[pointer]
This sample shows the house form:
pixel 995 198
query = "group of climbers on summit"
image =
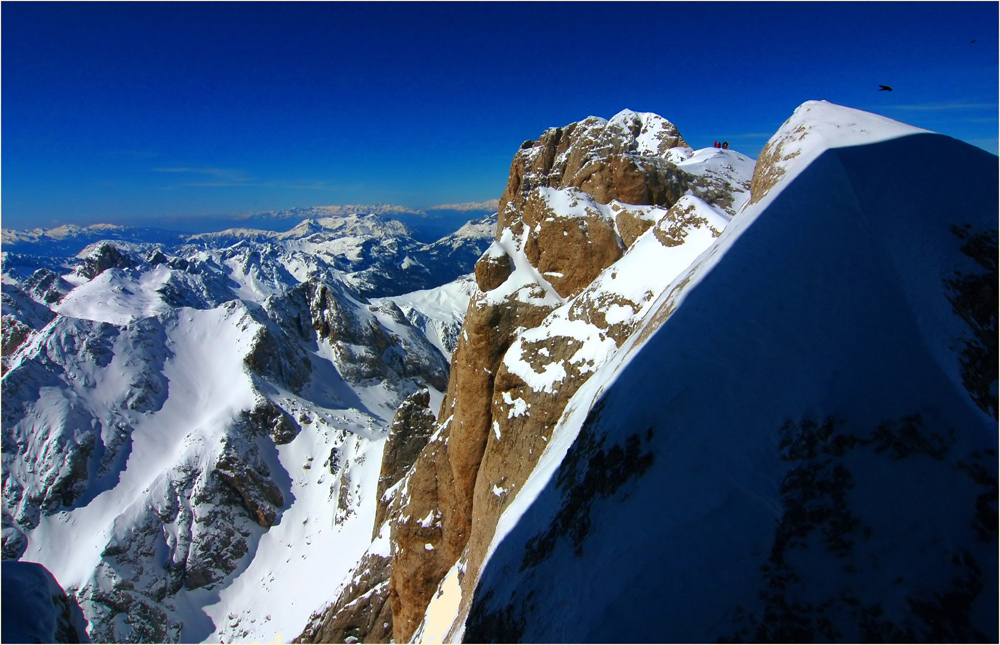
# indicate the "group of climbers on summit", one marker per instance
pixel 724 145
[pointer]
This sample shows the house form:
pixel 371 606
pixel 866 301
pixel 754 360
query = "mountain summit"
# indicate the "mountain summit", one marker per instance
pixel 572 269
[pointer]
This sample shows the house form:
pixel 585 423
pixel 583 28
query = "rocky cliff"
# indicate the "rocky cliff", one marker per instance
pixel 596 219
pixel 741 378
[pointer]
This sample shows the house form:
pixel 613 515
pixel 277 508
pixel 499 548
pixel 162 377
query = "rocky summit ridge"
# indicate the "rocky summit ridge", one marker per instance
pixel 565 282
pixel 625 297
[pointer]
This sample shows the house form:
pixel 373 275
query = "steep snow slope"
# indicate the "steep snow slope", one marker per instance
pixel 797 444
pixel 168 400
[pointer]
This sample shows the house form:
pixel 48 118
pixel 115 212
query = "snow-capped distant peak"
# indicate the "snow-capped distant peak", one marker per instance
pixel 366 225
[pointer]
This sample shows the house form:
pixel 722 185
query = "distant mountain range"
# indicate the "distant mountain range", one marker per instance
pixel 381 255
pixel 425 225
pixel 197 405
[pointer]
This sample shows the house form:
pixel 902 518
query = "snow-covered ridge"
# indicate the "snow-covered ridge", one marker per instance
pixel 375 255
pixel 814 127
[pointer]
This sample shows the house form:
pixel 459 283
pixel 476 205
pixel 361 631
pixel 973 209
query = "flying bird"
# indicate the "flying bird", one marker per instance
pixel 884 88
pixel 973 41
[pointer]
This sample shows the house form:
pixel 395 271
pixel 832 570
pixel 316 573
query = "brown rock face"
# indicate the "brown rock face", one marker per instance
pixel 569 251
pixel 524 417
pixel 422 553
pixel 411 428
pixel 488 331
pixel 493 269
pixel 466 475
pixel 606 159
pixel 361 611
pixel 631 223
pixel 435 525
pixel 621 159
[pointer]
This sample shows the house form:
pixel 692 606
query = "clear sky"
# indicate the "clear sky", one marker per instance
pixel 137 112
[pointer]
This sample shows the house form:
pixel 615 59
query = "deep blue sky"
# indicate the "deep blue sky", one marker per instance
pixel 139 112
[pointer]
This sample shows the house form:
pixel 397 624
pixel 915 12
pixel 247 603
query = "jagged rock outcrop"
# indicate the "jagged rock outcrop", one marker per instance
pixel 273 357
pixel 493 268
pixel 103 257
pixel 365 348
pixel 362 613
pixel 14 333
pixel 28 306
pixel 567 240
pixel 410 431
pixel 268 418
pixel 26 310
pixel 577 202
pixel 14 540
pixel 627 159
pixel 260 495
pixel 46 286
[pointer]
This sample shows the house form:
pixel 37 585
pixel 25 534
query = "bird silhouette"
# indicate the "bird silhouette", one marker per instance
pixel 884 88
pixel 973 41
